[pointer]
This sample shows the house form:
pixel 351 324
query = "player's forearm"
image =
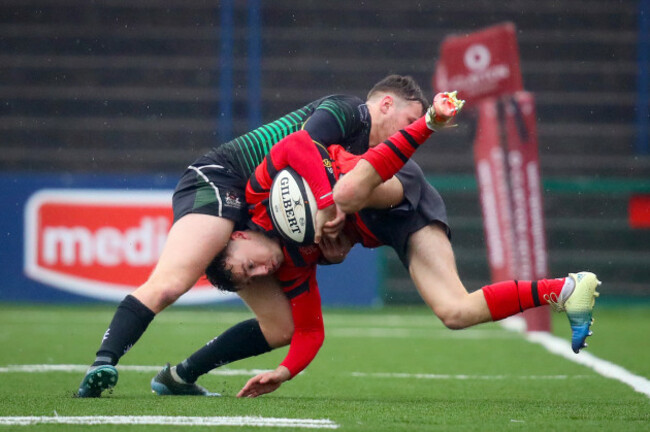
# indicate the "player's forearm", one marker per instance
pixel 304 347
pixel 309 332
pixel 378 164
pixel 353 190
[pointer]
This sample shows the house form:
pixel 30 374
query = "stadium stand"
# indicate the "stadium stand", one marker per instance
pixel 132 87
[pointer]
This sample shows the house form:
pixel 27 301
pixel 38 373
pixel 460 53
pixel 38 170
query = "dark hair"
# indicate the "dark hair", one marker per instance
pixel 219 275
pixel 404 87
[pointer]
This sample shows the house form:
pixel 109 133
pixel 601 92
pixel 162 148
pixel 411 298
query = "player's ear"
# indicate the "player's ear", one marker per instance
pixel 238 235
pixel 386 102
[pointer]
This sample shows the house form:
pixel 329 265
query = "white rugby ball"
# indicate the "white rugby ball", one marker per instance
pixel 292 207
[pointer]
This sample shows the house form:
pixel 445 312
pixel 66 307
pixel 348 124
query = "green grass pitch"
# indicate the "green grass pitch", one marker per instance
pixel 395 369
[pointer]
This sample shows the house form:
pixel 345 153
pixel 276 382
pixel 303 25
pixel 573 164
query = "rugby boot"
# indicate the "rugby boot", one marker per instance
pixel 164 384
pixel 578 306
pixel 97 379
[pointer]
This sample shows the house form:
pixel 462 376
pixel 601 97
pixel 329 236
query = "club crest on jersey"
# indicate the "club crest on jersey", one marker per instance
pixel 233 200
pixel 327 163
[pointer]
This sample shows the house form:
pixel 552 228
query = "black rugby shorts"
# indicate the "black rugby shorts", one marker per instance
pixel 422 206
pixel 209 188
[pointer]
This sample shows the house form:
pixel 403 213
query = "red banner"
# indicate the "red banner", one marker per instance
pixel 480 65
pixel 491 173
pixel 523 162
pixel 639 211
pixel 526 197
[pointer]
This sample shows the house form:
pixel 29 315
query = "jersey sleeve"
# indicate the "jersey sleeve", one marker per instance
pixel 309 159
pixel 334 119
pixel 309 332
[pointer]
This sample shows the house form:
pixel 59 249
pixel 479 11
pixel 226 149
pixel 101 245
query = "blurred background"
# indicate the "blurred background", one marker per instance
pixel 137 89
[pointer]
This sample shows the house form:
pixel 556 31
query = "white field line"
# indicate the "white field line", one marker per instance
pixel 38 368
pixel 178 316
pixel 173 421
pixel 464 377
pixel 562 348
pixel 42 368
pixel 410 333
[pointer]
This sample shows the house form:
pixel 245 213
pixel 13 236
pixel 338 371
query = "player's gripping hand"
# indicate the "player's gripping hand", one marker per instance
pixel 329 222
pixel 265 382
pixel 444 108
pixel 335 250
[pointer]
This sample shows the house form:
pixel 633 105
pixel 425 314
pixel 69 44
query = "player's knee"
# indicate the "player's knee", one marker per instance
pixel 452 316
pixel 277 334
pixel 163 292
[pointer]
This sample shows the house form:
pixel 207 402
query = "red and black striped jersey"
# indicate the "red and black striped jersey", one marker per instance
pixel 297 275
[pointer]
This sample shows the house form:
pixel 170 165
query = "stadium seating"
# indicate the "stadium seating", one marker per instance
pixel 133 87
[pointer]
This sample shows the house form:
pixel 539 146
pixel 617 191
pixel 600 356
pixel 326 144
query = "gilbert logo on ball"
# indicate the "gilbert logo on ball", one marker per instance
pixel 100 243
pixel 292 207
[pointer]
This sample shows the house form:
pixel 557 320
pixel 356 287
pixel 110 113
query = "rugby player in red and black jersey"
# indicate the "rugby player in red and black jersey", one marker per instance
pixel 209 201
pixel 298 321
pixel 408 215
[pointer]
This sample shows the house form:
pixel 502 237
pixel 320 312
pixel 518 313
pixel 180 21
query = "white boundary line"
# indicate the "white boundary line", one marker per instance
pixel 174 421
pixel 73 368
pixel 559 346
pixel 41 368
pixel 464 377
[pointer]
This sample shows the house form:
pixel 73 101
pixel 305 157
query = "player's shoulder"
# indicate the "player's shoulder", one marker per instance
pixel 345 104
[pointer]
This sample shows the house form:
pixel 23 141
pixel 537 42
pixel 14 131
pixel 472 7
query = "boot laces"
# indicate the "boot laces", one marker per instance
pixel 553 300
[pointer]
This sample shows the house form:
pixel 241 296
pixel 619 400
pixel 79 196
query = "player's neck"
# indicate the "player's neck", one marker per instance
pixel 374 137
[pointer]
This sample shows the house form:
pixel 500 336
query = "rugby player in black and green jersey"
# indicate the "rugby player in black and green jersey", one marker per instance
pixel 209 201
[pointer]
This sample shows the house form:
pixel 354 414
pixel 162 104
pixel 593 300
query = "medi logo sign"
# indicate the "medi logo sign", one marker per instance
pixel 100 243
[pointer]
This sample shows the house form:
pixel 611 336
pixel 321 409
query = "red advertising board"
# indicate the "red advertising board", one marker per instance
pixel 526 198
pixel 523 162
pixel 639 211
pixel 100 243
pixel 511 196
pixel 494 192
pixel 480 65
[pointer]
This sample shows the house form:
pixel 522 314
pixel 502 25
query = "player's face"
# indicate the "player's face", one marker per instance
pixel 400 114
pixel 251 255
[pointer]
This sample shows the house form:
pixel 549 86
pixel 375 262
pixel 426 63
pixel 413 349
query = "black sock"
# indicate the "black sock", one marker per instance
pixel 129 322
pixel 241 341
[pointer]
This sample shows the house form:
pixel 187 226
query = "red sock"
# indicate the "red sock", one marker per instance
pixel 390 156
pixel 508 298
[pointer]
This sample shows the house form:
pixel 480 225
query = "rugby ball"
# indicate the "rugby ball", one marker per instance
pixel 292 207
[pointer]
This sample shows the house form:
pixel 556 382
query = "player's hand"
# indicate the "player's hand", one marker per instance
pixel 265 382
pixel 335 250
pixel 444 108
pixel 330 214
pixel 333 227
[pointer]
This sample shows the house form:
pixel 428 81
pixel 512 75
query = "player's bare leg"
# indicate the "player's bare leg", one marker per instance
pixel 193 241
pixel 433 271
pixel 272 328
pixel 272 309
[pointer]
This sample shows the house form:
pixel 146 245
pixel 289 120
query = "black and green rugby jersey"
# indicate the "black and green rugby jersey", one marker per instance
pixel 336 119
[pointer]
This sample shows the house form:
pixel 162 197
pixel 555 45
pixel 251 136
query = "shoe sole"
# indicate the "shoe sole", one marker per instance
pixel 102 378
